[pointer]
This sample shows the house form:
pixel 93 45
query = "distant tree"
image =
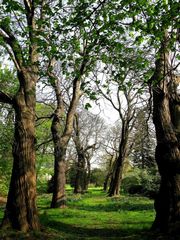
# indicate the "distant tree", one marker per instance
pixel 97 177
pixel 125 104
pixel 7 122
pixel 110 160
pixel 110 152
pixel 143 141
pixel 87 138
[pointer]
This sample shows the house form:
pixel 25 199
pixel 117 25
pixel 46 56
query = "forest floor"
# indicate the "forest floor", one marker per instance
pixel 92 216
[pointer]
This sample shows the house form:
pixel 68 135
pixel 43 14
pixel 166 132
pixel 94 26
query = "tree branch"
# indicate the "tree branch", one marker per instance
pixel 11 54
pixel 10 40
pixel 45 142
pixel 5 98
pixel 90 147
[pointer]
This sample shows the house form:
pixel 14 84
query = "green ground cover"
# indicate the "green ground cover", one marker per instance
pixel 92 216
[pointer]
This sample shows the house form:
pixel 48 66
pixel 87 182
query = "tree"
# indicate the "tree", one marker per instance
pixel 166 119
pixel 97 177
pixel 124 82
pixel 110 147
pixel 62 123
pixel 143 141
pixel 157 24
pixel 87 138
pixel 79 46
pixel 20 30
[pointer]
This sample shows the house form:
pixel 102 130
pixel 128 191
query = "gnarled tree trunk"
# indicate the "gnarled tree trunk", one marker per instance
pixel 59 197
pixel 61 139
pixel 21 210
pixel 117 171
pixel 60 146
pixel 116 177
pixel 80 179
pixel 109 173
pixel 167 203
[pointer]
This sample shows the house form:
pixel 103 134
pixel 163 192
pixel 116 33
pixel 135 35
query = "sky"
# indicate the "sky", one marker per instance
pixel 105 110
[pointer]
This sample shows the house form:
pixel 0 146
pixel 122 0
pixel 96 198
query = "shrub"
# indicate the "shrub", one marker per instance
pixel 97 177
pixel 142 181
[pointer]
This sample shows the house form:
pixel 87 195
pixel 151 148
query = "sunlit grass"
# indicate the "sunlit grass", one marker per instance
pixel 94 216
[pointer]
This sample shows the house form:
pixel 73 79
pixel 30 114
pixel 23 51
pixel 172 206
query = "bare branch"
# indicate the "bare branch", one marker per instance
pixel 90 147
pixel 43 143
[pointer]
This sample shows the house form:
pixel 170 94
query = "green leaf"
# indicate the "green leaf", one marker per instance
pixel 87 106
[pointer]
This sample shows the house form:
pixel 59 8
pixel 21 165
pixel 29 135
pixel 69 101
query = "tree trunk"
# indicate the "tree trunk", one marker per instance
pixel 116 178
pixel 88 174
pixel 59 197
pixel 167 203
pixel 106 181
pixel 21 210
pixel 117 171
pixel 109 174
pixel 60 146
pixel 62 128
pixel 80 174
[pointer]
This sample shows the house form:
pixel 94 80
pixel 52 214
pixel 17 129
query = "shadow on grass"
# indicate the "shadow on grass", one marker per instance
pixel 76 232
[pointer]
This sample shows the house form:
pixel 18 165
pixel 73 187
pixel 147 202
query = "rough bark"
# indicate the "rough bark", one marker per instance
pixel 80 179
pixel 109 173
pixel 21 211
pixel 165 117
pixel 117 171
pixel 59 197
pixel 61 132
pixel 79 185
pixel 60 146
pixel 116 178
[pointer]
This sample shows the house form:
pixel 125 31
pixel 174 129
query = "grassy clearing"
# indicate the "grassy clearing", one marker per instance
pixel 92 216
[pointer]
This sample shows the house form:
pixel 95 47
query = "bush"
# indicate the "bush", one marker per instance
pixel 142 181
pixel 136 189
pixel 97 177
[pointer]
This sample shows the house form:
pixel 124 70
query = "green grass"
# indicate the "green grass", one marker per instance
pixel 93 216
